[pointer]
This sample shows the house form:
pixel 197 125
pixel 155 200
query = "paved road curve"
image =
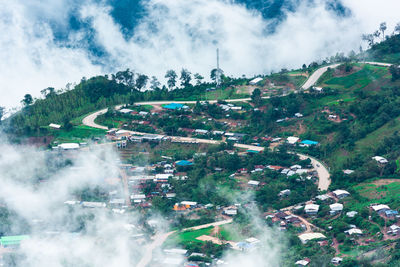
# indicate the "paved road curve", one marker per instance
pixel 324 179
pixel 316 75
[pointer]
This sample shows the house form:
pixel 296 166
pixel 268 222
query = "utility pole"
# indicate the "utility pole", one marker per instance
pixel 218 74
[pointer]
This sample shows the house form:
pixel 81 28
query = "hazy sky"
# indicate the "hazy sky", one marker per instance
pixel 173 34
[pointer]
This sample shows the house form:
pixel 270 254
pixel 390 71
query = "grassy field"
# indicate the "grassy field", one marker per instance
pixel 228 232
pixel 187 236
pixel 357 80
pixel 371 140
pixel 384 191
pixel 77 134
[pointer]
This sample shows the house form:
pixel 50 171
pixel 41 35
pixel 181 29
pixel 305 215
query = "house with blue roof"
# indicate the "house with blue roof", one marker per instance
pixel 183 163
pixel 309 143
pixel 391 213
pixel 173 106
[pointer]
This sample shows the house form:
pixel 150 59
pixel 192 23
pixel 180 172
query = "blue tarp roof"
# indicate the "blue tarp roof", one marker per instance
pixel 309 142
pixel 173 106
pixel 183 163
pixel 391 212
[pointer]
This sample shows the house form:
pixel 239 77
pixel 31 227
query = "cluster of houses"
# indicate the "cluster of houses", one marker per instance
pixel 293 140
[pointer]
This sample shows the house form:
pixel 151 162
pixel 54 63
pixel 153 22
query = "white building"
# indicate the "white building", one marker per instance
pixel 54 126
pixel 380 159
pixel 69 146
pixel 353 231
pixel 310 236
pixel 255 81
pixel 351 214
pixel 253 183
pixel 336 260
pixel 336 208
pixel 380 207
pixel 125 110
pixel 292 140
pixel 341 193
pixel 311 208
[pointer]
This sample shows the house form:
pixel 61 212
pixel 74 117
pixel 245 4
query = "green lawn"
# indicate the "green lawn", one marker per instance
pixel 359 79
pixel 187 236
pixel 77 134
pixel 383 194
pixel 371 140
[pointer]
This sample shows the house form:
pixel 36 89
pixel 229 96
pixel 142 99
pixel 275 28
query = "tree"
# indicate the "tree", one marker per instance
pixel 382 28
pixel 256 97
pixel 185 78
pixel 49 91
pixel 141 81
pixel 199 78
pixel 28 99
pixel 395 71
pixel 154 83
pixel 304 67
pixel 369 38
pixel 2 112
pixel 171 76
pixel 397 28
pixel 126 77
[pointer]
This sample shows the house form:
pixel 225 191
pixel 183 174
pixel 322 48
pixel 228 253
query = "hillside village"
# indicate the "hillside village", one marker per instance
pixel 230 170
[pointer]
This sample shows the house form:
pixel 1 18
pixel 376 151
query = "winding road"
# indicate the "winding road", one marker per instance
pixel 316 75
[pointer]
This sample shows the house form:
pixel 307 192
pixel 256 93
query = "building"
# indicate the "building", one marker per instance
pixel 173 106
pixel 230 211
pixel 7 241
pixel 201 131
pixel 68 146
pixel 138 198
pixel 284 193
pixel 311 209
pixel 341 193
pixel 335 208
pixel 253 183
pixel 183 163
pixel 351 214
pixel 308 143
pixel 54 126
pixel 394 230
pixel 304 262
pixel 336 260
pixel 255 81
pixel 348 172
pixel 125 110
pixel 185 205
pixel 292 140
pixel 380 159
pixel 354 231
pixel 380 208
pixel 298 115
pixel 304 238
pixel 391 213
pixel 92 205
pixel 323 197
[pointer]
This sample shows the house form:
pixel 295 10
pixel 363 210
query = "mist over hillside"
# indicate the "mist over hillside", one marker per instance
pixel 51 43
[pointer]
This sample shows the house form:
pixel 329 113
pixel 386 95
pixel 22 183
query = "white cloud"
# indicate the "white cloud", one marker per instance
pixel 30 60
pixel 187 35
